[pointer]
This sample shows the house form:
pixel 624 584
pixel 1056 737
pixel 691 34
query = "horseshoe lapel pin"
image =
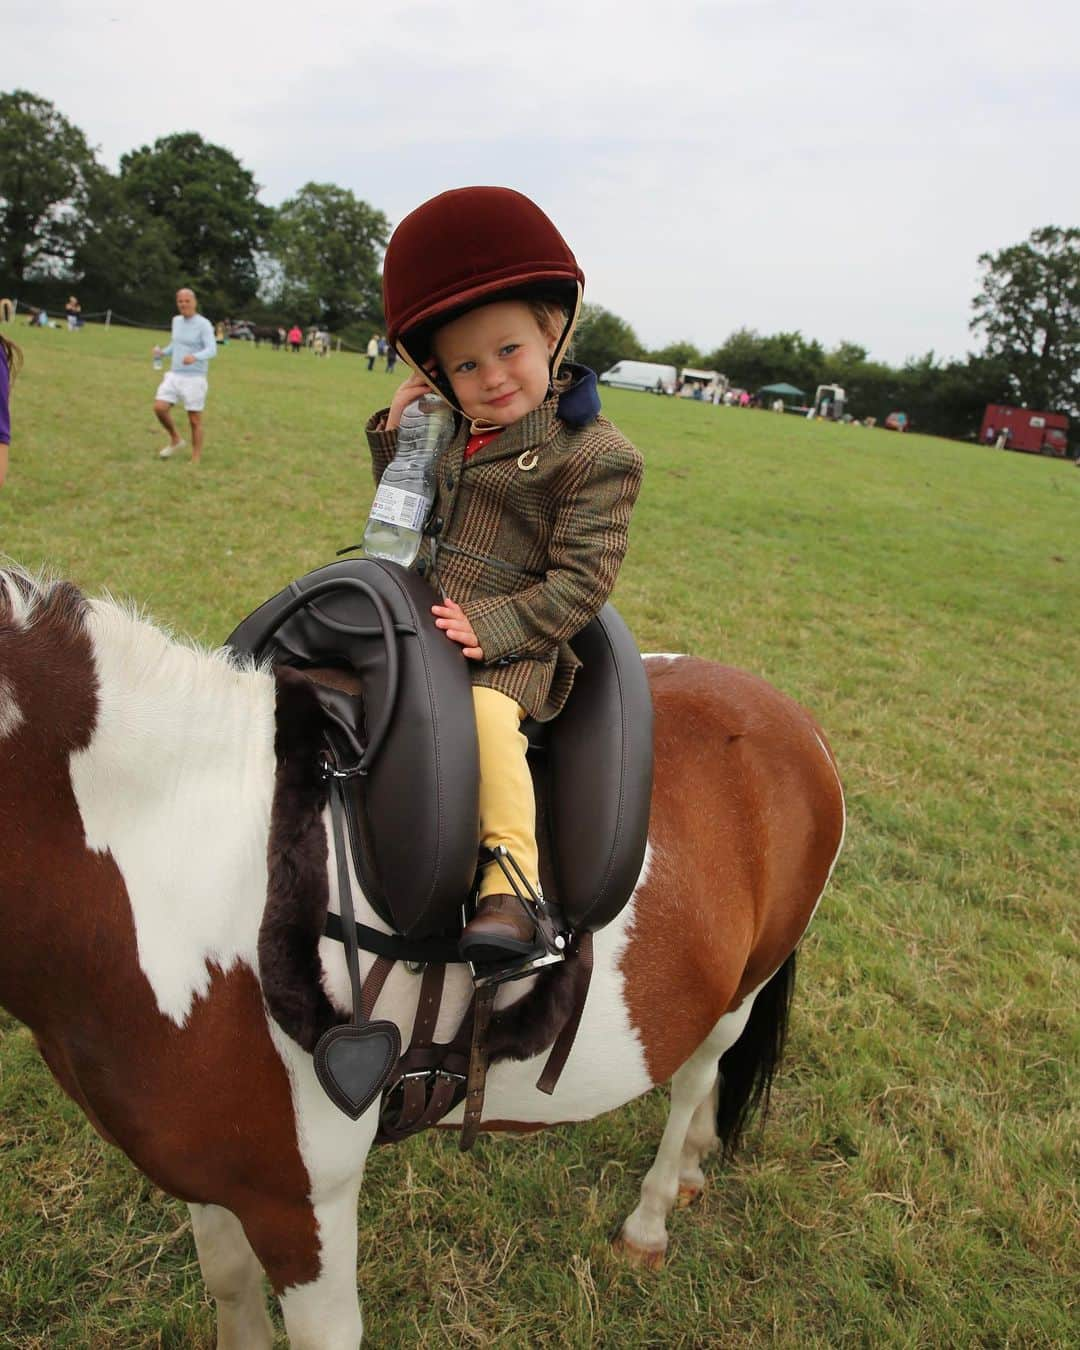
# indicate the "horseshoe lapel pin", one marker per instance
pixel 527 460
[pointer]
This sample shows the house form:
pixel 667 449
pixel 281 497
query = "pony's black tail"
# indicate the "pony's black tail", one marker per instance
pixel 747 1068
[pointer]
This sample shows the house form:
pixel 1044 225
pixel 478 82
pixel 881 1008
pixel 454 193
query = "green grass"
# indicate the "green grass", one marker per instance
pixel 916 1182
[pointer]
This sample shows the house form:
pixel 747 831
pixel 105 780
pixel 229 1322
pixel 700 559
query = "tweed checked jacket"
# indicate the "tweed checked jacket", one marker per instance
pixel 527 536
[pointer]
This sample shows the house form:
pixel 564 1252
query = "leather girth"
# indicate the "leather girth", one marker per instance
pixel 431 1079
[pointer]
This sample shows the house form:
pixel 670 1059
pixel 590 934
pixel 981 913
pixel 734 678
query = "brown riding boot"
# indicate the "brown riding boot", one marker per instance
pixel 500 930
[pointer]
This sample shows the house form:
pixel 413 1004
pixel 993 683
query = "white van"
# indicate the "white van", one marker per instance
pixel 647 375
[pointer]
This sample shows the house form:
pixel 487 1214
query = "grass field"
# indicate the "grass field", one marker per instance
pixel 916 1182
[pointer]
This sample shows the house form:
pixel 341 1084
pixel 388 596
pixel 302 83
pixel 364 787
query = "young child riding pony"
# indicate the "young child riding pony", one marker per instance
pixel 533 497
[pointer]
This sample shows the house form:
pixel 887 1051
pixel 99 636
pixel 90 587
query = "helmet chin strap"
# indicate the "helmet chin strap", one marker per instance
pixel 567 333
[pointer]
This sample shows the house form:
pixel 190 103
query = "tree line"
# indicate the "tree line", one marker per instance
pixel 1027 309
pixel 179 211
pixel 185 211
pixel 941 398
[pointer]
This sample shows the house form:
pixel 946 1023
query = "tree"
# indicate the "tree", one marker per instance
pixel 210 203
pixel 602 338
pixel 1029 308
pixel 678 354
pixel 326 245
pixel 791 357
pixel 750 360
pixel 740 359
pixel 845 359
pixel 46 168
pixel 126 260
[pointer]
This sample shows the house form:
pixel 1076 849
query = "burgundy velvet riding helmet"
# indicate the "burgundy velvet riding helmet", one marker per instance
pixel 464 248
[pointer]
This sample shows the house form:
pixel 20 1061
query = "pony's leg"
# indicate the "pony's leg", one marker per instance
pixel 325 1313
pixel 234 1278
pixel 644 1236
pixel 701 1139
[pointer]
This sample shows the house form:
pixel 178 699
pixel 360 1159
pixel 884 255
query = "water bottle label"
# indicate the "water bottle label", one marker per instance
pixel 395 506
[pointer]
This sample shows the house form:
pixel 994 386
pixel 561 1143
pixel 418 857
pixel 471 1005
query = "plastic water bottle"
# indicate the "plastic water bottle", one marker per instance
pixel 157 360
pixel 407 487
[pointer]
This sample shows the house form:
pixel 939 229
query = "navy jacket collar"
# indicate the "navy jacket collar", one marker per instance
pixel 580 403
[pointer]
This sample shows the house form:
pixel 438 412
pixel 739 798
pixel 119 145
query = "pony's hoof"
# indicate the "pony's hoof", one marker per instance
pixel 688 1193
pixel 644 1258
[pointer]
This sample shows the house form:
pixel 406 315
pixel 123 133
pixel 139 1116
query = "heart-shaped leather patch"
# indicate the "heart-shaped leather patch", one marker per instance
pixel 353 1063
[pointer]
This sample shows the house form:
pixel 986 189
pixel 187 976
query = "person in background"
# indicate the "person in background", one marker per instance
pixel 10 361
pixel 296 338
pixel 391 359
pixel 191 346
pixel 73 309
pixel 372 352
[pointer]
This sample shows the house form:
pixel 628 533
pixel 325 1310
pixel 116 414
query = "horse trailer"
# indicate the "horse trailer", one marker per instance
pixel 1036 433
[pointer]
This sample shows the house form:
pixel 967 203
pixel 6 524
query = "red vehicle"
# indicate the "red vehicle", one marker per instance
pixel 1039 433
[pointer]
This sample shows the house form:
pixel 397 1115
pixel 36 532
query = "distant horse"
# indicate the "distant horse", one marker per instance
pixel 136 777
pixel 264 332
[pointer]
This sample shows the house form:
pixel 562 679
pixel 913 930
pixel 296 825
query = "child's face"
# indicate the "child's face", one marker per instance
pixel 496 359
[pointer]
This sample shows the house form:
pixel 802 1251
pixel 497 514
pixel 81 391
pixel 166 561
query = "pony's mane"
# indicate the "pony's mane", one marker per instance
pixel 31 598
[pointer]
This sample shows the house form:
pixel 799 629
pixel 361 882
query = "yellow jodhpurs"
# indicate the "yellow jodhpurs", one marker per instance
pixel 507 805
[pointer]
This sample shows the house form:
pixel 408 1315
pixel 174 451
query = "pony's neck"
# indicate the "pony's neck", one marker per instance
pixel 170 711
pixel 175 786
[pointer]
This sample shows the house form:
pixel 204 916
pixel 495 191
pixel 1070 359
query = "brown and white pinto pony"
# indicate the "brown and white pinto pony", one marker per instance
pixel 136 776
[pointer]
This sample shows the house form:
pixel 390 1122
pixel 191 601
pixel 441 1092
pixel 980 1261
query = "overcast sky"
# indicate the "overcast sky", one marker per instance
pixel 831 167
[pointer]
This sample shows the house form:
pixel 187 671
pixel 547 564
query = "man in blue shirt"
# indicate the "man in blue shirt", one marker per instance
pixel 191 346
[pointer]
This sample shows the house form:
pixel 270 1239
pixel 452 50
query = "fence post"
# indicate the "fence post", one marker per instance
pixel 339 344
pixel 108 317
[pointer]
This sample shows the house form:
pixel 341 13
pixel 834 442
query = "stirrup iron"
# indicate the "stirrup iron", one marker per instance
pixel 540 913
pixel 553 943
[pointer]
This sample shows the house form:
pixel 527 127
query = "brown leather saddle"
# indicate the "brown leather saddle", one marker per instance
pixel 355 648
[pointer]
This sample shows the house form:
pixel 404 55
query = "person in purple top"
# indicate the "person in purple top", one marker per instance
pixel 10 361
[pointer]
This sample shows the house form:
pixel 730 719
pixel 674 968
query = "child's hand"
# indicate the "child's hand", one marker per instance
pixel 413 388
pixel 450 617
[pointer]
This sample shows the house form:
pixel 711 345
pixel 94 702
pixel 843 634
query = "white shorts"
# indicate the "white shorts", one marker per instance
pixel 190 390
